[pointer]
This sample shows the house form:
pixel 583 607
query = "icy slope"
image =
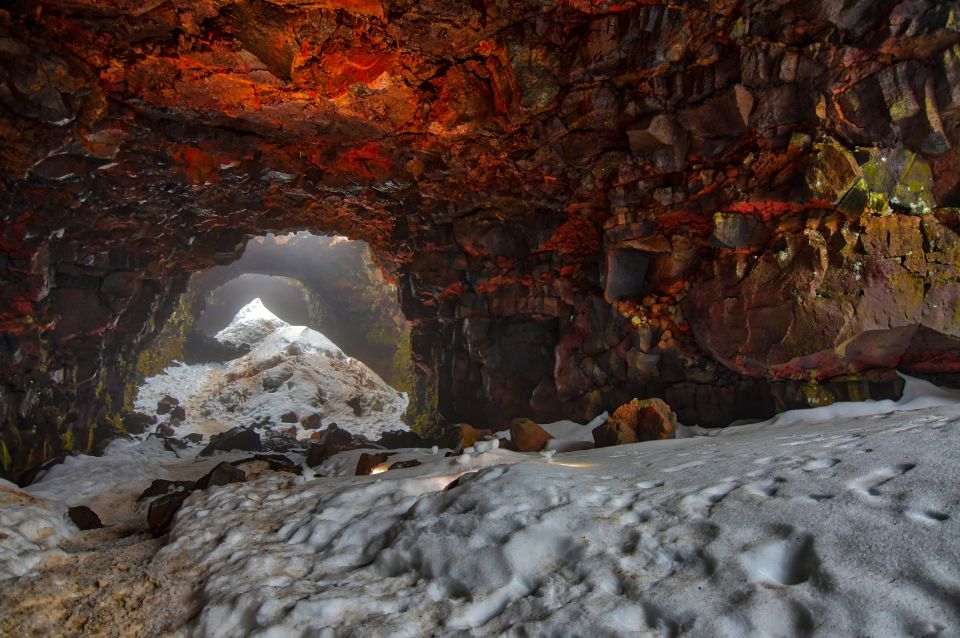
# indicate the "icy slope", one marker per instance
pixel 846 526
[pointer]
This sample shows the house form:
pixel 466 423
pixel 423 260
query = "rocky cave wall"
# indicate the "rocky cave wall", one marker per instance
pixel 740 206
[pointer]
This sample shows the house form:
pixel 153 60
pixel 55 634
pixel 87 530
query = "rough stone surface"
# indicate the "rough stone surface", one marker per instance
pixel 137 423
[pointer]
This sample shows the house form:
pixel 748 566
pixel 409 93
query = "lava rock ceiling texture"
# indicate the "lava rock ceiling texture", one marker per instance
pixel 716 202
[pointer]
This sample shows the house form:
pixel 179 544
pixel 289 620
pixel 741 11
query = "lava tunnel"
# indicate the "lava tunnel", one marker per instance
pixel 737 208
pixel 486 317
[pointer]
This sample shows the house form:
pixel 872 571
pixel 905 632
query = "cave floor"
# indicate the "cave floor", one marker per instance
pixel 828 522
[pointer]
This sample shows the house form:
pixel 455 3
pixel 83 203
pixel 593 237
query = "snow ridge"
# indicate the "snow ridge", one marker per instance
pixel 251 325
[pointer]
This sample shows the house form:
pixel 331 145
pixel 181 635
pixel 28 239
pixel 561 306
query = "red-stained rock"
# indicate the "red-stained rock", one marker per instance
pixel 637 421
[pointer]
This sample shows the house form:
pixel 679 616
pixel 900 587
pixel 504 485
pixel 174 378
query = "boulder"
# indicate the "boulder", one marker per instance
pixel 178 413
pixel 166 404
pixel 289 417
pixel 613 433
pixel 528 436
pixel 311 421
pixel 222 474
pixel 637 421
pixel 238 438
pixel 331 441
pixel 84 518
pixel 162 511
pixel 137 422
pixel 194 437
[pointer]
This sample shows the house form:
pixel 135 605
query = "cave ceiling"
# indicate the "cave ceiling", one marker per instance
pixel 581 201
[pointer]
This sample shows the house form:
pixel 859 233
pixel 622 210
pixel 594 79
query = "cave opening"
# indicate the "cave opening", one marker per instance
pixel 299 333
pixel 329 283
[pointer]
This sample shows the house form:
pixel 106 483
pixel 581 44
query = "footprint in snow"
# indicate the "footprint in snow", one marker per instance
pixel 684 466
pixel 869 484
pixel 648 485
pixel 930 517
pixel 819 464
pixel 766 489
pixel 788 560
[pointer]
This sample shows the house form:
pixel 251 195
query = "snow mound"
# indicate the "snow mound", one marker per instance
pixel 298 372
pixel 252 324
pixel 744 535
pixel 30 531
pixel 292 374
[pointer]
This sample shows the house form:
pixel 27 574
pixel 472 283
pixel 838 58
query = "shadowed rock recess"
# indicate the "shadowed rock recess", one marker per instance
pixel 737 206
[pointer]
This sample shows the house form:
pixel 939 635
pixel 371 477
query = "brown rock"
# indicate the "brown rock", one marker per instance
pixel 289 417
pixel 166 404
pixel 637 421
pixel 137 423
pixel 162 511
pixel 528 436
pixel 311 421
pixel 613 433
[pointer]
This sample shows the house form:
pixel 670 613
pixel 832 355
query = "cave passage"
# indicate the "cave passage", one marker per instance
pixel 522 261
pixel 328 283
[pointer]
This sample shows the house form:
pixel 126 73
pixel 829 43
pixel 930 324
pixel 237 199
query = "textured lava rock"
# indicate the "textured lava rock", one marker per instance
pixel 166 405
pixel 311 421
pixel 330 441
pixel 162 511
pixel 395 439
pixel 260 463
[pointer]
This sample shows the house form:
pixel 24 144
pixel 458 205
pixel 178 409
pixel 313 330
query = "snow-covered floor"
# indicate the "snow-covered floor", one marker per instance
pixel 839 522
